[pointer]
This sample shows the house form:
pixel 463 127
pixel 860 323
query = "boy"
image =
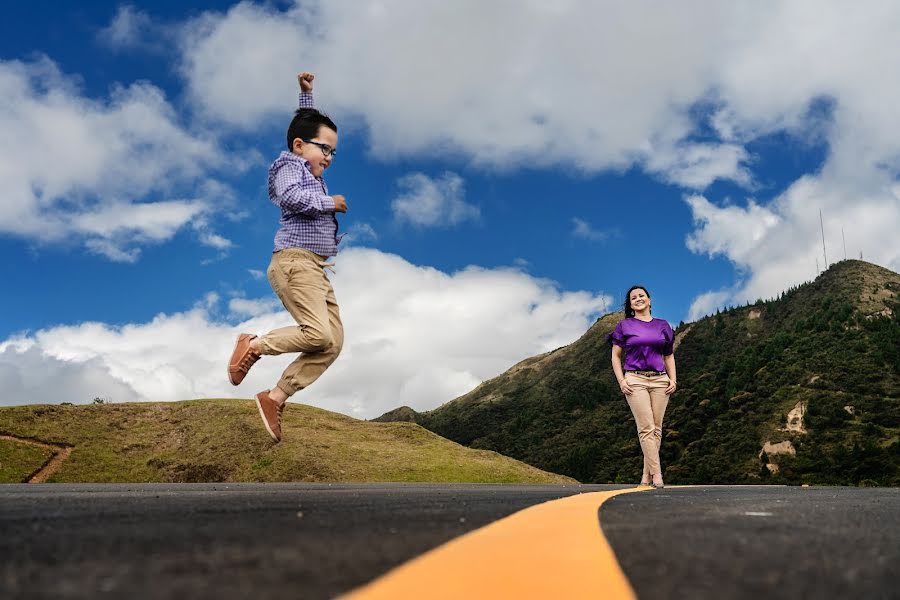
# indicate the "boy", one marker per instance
pixel 303 243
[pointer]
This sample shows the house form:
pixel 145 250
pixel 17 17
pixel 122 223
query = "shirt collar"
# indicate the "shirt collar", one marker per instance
pixel 301 160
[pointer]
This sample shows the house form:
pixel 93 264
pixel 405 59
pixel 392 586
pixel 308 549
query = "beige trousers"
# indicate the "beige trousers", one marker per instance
pixel 299 279
pixel 648 405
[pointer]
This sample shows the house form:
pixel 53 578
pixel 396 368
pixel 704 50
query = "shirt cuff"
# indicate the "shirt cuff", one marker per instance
pixel 327 204
pixel 306 100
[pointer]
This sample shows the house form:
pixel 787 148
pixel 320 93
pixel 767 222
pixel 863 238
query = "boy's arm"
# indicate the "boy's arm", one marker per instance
pixel 305 79
pixel 292 191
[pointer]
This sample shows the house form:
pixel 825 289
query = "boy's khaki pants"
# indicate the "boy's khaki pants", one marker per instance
pixel 648 405
pixel 298 278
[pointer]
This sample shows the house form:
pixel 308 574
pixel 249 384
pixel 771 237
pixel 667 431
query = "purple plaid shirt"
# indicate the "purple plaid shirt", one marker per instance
pixel 307 211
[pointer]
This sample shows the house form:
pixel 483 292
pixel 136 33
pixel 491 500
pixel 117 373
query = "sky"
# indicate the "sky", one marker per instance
pixel 510 168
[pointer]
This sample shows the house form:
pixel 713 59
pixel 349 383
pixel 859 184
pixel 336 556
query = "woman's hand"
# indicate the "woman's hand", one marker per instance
pixel 626 389
pixel 671 389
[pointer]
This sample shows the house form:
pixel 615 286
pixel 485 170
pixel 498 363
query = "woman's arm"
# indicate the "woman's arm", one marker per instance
pixel 670 371
pixel 617 369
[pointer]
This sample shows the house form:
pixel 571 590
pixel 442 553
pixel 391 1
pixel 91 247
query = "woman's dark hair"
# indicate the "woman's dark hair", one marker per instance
pixel 629 312
pixel 305 125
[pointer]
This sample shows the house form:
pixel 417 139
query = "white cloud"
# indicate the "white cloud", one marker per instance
pixel 729 230
pixel 707 303
pixel 247 57
pixel 594 86
pixel 583 229
pixel 30 376
pixel 359 233
pixel 781 244
pixel 97 172
pixel 584 85
pixel 130 28
pixel 414 335
pixel 243 307
pixel 433 202
pixel 697 165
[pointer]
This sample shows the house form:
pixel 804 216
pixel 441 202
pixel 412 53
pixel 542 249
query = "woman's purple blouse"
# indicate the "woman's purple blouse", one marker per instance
pixel 644 343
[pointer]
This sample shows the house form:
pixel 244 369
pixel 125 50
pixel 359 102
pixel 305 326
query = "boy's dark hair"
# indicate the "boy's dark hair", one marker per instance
pixel 305 125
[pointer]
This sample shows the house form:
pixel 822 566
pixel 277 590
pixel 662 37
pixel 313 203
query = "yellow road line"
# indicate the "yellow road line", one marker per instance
pixel 551 550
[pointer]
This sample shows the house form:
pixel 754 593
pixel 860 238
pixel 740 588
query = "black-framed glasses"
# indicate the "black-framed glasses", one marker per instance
pixel 325 148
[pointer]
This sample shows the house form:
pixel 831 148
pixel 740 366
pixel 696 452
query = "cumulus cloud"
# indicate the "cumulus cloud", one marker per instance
pixel 649 80
pixel 780 245
pixel 653 87
pixel 433 202
pixel 501 101
pixel 697 165
pixel 105 173
pixel 244 55
pixel 415 336
pixel 244 307
pixel 30 376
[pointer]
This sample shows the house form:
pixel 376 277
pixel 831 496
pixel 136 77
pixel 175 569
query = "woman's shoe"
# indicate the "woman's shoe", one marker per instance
pixel 659 485
pixel 644 484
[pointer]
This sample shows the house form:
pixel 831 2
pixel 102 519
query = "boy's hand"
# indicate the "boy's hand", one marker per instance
pixel 305 80
pixel 340 204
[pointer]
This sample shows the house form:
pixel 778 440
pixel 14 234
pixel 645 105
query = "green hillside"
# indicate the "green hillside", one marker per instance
pixel 223 440
pixel 825 355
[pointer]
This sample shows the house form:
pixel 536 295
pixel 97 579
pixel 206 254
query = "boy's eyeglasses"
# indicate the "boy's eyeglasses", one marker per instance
pixel 325 148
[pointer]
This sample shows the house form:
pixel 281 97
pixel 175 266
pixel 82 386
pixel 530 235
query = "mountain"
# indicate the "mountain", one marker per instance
pixel 804 388
pixel 223 440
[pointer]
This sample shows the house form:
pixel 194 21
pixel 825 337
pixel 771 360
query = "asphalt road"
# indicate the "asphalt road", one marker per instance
pixel 317 541
pixel 758 542
pixel 232 540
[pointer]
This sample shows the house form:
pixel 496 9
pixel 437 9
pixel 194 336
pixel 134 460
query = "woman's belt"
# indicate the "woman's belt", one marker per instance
pixel 648 373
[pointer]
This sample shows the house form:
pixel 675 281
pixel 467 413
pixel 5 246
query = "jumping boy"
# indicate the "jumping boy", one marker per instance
pixel 303 243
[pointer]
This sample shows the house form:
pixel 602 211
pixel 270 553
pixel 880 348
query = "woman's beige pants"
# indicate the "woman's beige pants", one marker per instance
pixel 299 279
pixel 648 405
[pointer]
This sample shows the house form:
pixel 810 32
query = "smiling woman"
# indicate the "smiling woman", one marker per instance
pixel 646 376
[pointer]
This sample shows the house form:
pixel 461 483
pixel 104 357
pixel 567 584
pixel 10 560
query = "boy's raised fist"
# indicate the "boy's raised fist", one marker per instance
pixel 305 80
pixel 340 204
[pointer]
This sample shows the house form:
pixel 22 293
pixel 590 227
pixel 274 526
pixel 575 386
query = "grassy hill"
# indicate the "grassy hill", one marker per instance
pixel 223 440
pixel 824 356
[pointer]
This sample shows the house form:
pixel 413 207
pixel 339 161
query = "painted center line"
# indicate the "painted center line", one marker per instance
pixel 552 550
pixel 758 514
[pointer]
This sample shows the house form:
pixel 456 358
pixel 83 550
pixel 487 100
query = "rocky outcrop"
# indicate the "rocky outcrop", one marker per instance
pixel 795 419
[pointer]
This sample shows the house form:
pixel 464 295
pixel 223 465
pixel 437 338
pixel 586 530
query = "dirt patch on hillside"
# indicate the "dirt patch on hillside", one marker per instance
pixel 60 454
pixel 680 336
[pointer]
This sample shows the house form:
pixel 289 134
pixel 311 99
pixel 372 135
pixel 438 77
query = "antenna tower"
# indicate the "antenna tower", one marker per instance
pixel 845 243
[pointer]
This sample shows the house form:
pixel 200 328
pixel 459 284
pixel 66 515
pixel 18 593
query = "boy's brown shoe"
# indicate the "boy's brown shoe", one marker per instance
pixel 242 359
pixel 270 411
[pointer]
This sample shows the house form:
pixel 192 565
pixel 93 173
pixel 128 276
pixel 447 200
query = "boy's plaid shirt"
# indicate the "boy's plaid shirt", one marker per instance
pixel 307 211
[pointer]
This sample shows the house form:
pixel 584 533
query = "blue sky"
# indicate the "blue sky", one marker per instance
pixel 502 193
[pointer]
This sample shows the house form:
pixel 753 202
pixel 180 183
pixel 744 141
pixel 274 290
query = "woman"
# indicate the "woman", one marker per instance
pixel 647 377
